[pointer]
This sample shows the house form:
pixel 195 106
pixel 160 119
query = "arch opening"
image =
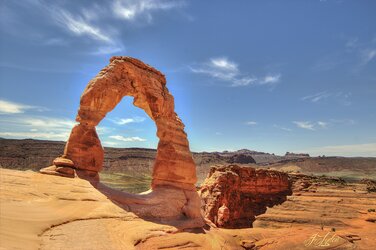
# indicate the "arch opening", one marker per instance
pixel 129 139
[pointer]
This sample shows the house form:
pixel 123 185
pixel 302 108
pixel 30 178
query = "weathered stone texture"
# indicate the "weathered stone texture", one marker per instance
pixel 234 195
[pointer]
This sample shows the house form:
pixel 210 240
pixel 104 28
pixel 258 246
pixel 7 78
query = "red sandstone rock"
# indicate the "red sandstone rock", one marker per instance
pixel 174 167
pixel 126 76
pixel 234 195
pixel 62 161
pixel 223 215
pixel 59 171
pixel 84 148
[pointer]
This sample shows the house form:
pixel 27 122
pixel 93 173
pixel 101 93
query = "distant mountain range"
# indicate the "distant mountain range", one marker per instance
pixel 35 154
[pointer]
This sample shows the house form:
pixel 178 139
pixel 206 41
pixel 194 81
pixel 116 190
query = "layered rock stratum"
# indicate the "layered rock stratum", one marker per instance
pixel 233 195
pixel 33 154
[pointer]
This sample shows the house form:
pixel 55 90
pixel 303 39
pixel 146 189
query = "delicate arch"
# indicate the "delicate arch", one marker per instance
pixel 126 76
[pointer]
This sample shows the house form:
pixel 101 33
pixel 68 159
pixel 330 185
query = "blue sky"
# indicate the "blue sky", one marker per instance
pixel 271 76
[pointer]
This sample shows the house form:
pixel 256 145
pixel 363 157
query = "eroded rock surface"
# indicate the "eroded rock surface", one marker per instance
pixel 174 171
pixel 126 76
pixel 234 195
pixel 50 212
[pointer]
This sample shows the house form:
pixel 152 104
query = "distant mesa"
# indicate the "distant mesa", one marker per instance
pixel 296 155
pixel 241 159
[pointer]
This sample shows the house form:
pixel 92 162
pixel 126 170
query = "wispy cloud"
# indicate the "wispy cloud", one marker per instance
pixel 22 126
pixel 127 139
pixel 251 123
pixel 305 125
pixel 134 9
pixel 124 121
pixel 108 50
pixel 316 125
pixel 366 149
pixel 38 123
pixel 270 79
pixel 36 135
pixel 282 128
pixel 352 42
pixel 78 25
pixel 340 97
pixel 316 97
pixel 110 143
pixel 322 124
pixel 91 21
pixel 368 55
pixel 7 107
pixel 343 121
pixel 223 69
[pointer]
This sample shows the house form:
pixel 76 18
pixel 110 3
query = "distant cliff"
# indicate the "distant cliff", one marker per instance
pixel 36 154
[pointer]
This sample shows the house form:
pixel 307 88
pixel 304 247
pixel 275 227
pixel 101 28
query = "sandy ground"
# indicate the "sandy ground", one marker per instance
pixel 49 212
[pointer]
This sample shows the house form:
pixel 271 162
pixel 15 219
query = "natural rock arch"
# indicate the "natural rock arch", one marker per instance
pixel 174 167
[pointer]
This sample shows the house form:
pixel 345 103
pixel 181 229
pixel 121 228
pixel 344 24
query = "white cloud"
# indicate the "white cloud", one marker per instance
pixel 322 124
pixel 46 122
pixel 340 97
pixel 343 121
pixel 124 121
pixel 311 125
pixel 282 128
pixel 225 64
pixel 96 21
pixel 305 125
pixel 78 25
pixel 366 149
pixel 109 143
pixel 368 55
pixel 270 79
pixel 108 50
pixel 221 68
pixel 133 9
pixel 244 81
pixel 36 135
pixel 127 139
pixel 251 123
pixel 316 97
pixel 22 126
pixel 7 107
pixel 102 130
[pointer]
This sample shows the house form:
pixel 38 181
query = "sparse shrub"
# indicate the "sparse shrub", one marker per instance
pixel 333 229
pixel 371 210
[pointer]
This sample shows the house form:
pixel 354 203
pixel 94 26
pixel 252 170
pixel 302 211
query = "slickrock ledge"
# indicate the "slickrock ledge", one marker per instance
pixel 49 212
pixel 234 195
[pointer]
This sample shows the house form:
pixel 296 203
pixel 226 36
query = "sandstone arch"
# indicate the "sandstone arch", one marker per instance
pixel 174 167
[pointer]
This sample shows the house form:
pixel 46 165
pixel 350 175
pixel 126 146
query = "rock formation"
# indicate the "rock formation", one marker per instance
pixel 174 170
pixel 234 195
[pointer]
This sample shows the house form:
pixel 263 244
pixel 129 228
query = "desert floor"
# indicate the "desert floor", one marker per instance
pixel 49 212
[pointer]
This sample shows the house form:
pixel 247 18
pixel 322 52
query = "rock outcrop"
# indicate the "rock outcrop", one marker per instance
pixel 234 195
pixel 241 159
pixel 174 167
